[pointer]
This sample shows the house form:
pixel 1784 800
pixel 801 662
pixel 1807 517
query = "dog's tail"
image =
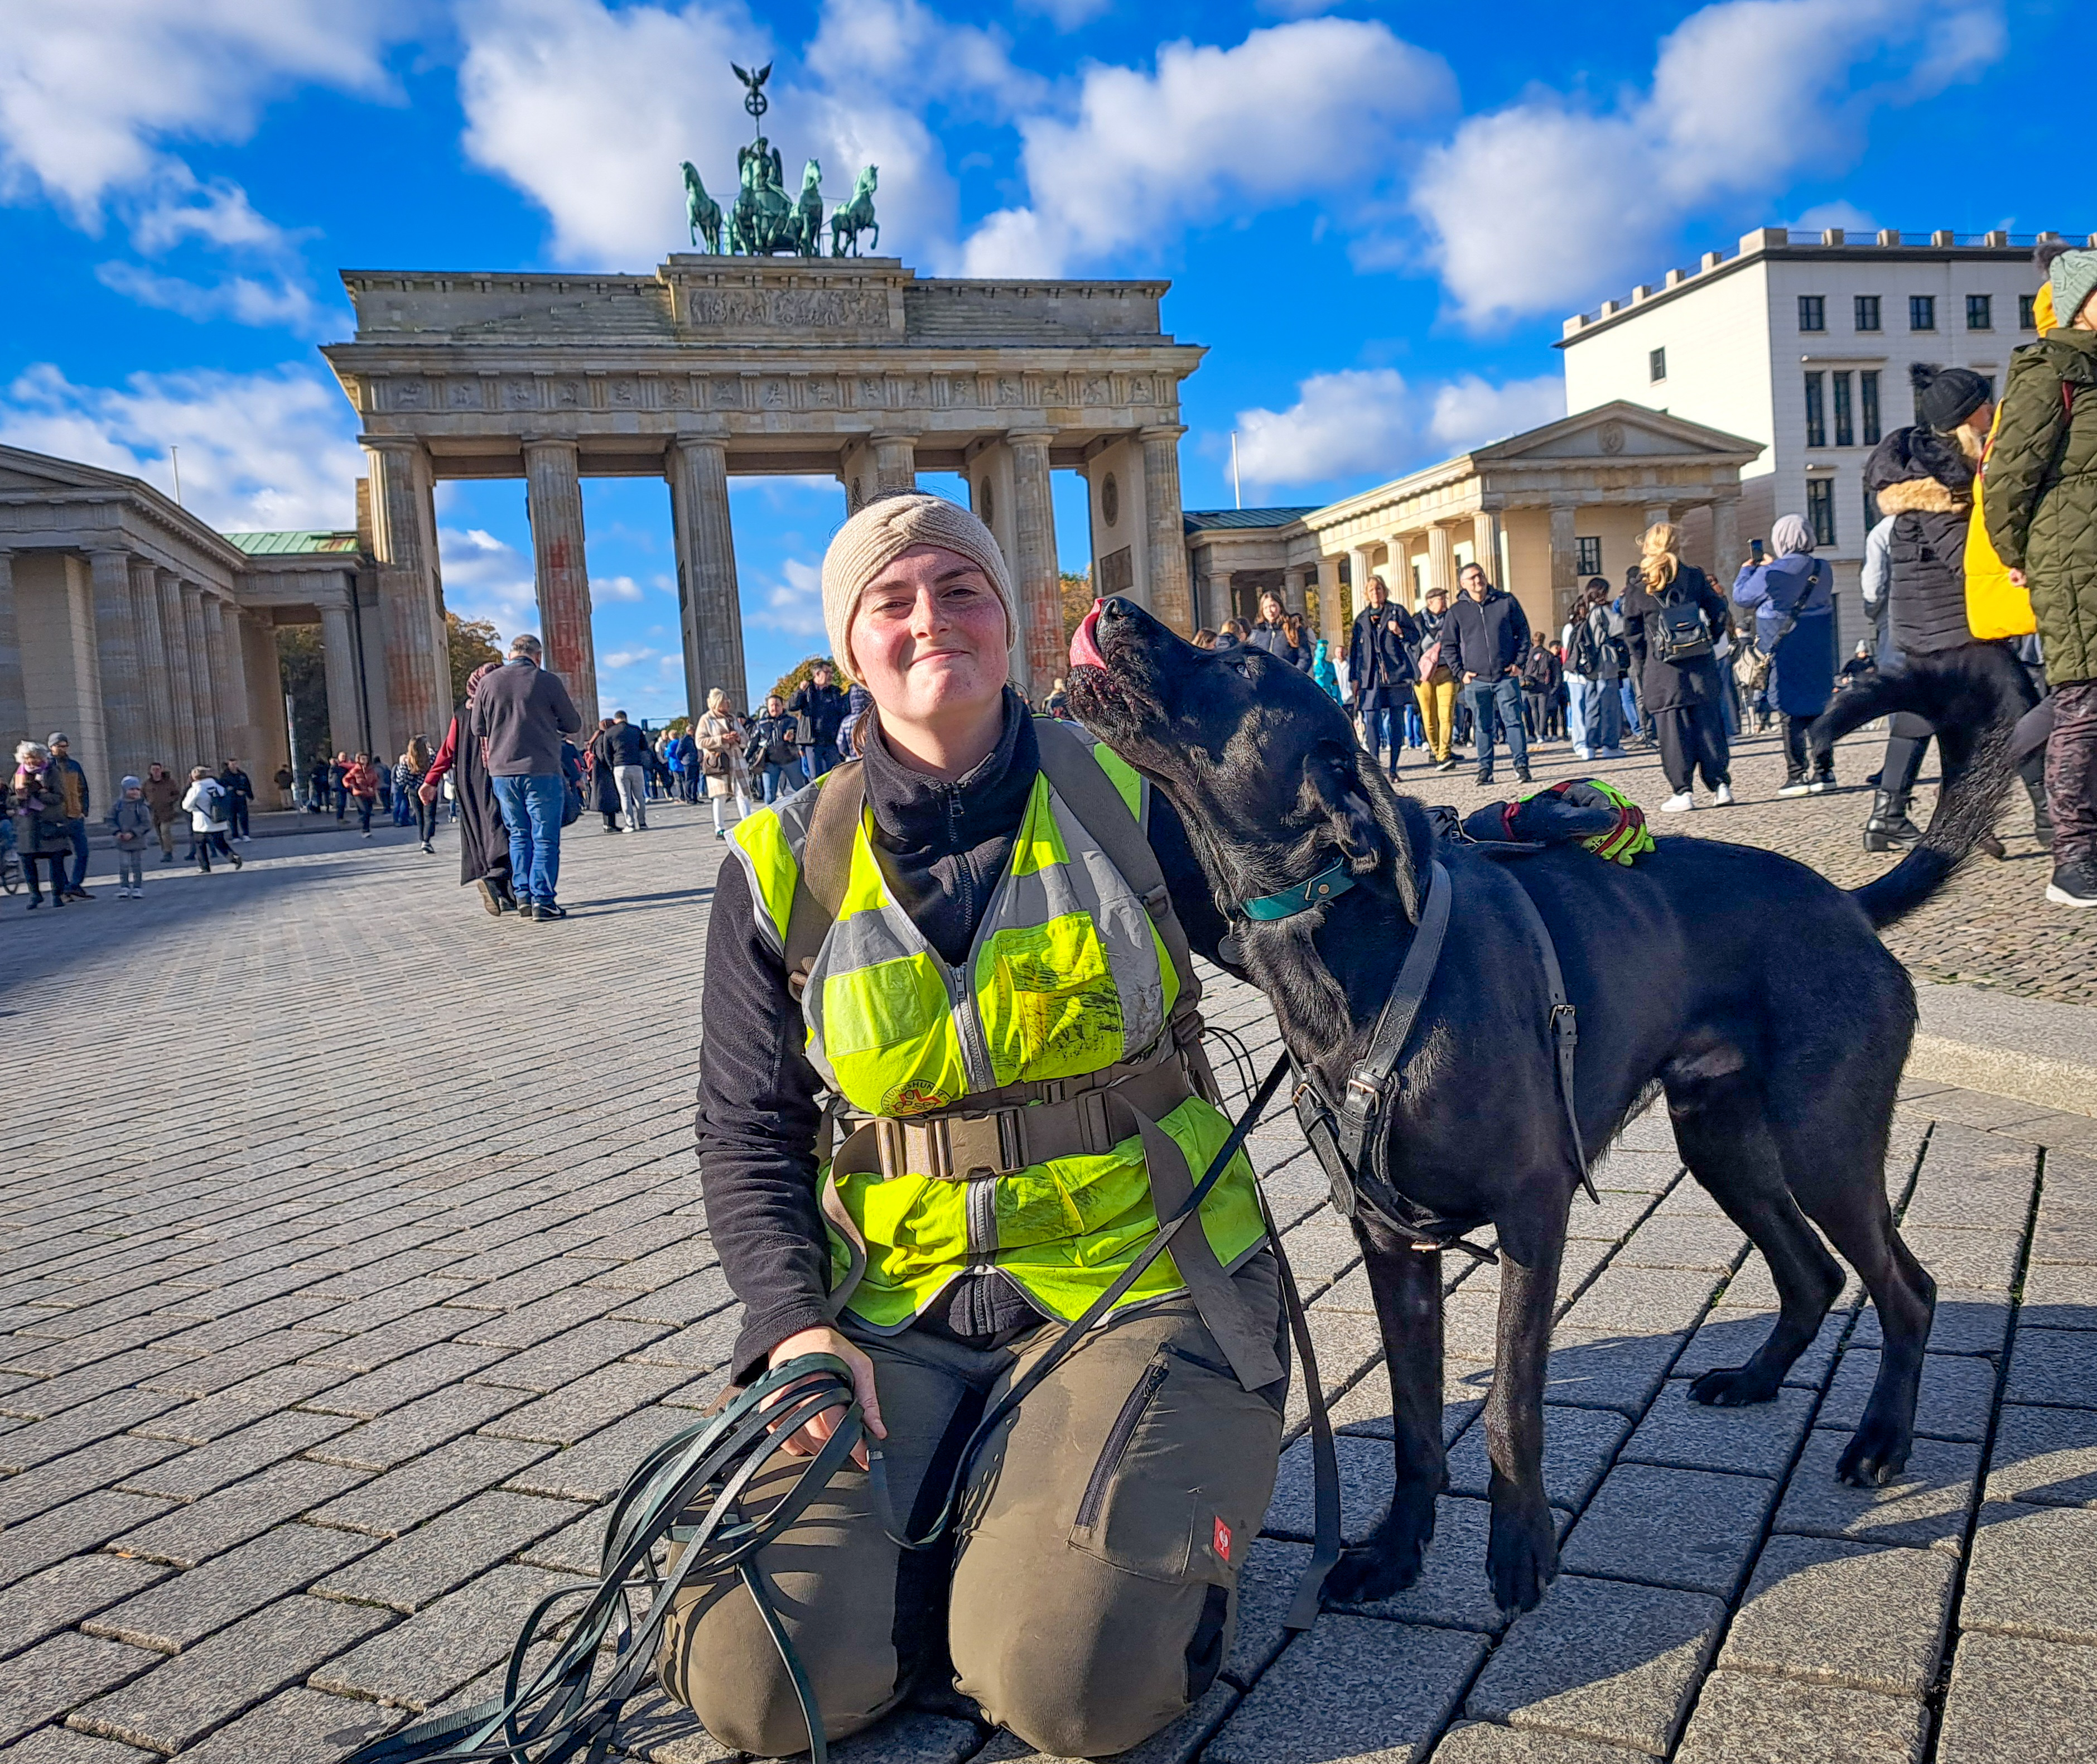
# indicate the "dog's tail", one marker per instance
pixel 1972 697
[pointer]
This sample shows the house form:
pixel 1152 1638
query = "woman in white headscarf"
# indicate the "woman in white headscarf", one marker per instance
pixel 1791 596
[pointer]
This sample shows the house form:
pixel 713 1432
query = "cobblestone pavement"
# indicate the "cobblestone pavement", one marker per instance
pixel 353 1252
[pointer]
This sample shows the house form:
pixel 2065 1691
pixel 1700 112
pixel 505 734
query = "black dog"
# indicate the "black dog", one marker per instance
pixel 1749 987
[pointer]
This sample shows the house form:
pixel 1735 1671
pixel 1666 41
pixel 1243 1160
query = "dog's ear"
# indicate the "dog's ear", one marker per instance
pixel 1362 813
pixel 1331 777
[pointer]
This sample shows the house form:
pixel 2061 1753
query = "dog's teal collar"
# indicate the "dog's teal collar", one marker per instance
pixel 1328 884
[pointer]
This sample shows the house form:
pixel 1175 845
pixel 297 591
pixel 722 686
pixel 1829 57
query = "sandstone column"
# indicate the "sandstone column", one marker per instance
pixel 1442 561
pixel 711 602
pixel 1564 561
pixel 553 498
pixel 896 462
pixel 202 711
pixel 338 665
pixel 1165 532
pixel 1725 542
pixel 1358 573
pixel 183 748
pixel 153 653
pixel 229 679
pixel 14 700
pixel 1485 544
pixel 403 537
pixel 128 740
pixel 1659 512
pixel 1034 568
pixel 1333 620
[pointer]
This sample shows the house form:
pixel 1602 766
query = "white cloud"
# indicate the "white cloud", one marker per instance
pixel 89 88
pixel 1370 421
pixel 634 657
pixel 1315 107
pixel 1536 207
pixel 615 588
pixel 1066 15
pixel 796 604
pixel 486 577
pixel 1357 420
pixel 246 300
pixel 589 111
pixel 1846 215
pixel 263 451
pixel 1468 411
pixel 217 213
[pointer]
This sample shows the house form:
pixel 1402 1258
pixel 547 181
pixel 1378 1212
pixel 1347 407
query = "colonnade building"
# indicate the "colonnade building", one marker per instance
pixel 1542 511
pixel 142 634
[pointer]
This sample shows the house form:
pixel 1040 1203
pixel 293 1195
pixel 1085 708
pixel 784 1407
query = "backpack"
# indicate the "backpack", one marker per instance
pixel 1583 654
pixel 1677 632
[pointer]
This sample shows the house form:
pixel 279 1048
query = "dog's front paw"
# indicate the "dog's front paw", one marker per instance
pixel 1390 1561
pixel 1877 1452
pixel 1733 1386
pixel 1521 1558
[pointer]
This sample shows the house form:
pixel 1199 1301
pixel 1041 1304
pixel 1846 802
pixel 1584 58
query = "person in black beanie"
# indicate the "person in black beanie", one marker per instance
pixel 1923 476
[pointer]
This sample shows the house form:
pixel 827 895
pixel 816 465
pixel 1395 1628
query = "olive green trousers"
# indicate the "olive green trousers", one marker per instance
pixel 1089 1593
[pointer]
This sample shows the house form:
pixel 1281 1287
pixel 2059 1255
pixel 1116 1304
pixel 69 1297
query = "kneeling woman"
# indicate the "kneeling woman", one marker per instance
pixel 1007 1036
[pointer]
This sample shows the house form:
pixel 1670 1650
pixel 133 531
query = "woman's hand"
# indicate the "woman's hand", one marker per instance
pixel 810 1438
pixel 2017 579
pixel 428 793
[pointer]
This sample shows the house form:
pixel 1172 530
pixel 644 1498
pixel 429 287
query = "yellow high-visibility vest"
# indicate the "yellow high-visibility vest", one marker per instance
pixel 1067 976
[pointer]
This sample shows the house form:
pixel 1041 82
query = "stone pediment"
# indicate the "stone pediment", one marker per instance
pixel 22 470
pixel 1618 431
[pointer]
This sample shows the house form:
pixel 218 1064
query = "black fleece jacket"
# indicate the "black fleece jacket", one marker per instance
pixel 942 848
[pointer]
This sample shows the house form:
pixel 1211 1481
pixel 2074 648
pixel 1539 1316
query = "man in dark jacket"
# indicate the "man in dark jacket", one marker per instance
pixel 822 700
pixel 1379 668
pixel 239 792
pixel 1489 633
pixel 520 716
pixel 67 774
pixel 627 748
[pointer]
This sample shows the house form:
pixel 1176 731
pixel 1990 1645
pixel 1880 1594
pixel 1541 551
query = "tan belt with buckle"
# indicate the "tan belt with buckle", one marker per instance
pixel 968 1145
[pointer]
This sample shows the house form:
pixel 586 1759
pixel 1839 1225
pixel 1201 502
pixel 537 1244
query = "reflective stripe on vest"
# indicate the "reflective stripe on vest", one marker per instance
pixel 1066 975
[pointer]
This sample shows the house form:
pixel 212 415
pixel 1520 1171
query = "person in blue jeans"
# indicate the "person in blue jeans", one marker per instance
pixel 521 714
pixel 66 772
pixel 1489 633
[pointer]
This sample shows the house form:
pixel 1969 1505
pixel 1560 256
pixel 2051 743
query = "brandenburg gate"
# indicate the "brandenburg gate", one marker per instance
pixel 715 365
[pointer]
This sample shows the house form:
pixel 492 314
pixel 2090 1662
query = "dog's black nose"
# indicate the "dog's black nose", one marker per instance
pixel 1113 606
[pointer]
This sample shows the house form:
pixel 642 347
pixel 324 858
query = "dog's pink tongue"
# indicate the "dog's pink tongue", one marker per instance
pixel 1084 647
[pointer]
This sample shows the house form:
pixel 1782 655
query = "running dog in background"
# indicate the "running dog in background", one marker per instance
pixel 1778 1035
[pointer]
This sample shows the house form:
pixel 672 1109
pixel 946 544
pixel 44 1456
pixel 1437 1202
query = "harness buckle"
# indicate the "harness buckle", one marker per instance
pixel 1565 1024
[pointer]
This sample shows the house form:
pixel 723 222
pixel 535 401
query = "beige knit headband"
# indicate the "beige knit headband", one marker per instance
pixel 872 539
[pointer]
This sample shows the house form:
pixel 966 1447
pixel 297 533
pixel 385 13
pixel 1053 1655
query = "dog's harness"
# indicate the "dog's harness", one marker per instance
pixel 1351 1136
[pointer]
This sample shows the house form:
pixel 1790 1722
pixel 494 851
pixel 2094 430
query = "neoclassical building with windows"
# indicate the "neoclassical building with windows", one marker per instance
pixel 1542 510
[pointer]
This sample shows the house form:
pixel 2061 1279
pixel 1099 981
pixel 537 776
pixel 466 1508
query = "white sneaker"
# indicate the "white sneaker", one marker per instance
pixel 1678 803
pixel 1722 798
pixel 1821 786
pixel 1797 787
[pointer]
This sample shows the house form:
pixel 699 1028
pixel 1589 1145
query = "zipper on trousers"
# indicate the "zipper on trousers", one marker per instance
pixel 1119 1436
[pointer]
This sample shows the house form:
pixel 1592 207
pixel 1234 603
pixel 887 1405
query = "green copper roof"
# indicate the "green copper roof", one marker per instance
pixel 1210 520
pixel 290 544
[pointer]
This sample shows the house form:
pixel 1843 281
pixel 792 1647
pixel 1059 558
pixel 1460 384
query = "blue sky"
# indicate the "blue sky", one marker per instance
pixel 1374 216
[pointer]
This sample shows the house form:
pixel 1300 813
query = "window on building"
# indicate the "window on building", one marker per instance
pixel 1816 412
pixel 1812 312
pixel 1590 560
pixel 1867 388
pixel 1922 312
pixel 1867 312
pixel 1655 366
pixel 1980 312
pixel 1820 509
pixel 1845 431
pixel 2027 319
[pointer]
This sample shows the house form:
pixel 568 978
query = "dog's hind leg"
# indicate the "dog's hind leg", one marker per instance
pixel 1722 1129
pixel 1406 1284
pixel 1836 1164
pixel 1521 1557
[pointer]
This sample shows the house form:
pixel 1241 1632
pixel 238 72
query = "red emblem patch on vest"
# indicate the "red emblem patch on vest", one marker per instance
pixel 1222 1539
pixel 915 1097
